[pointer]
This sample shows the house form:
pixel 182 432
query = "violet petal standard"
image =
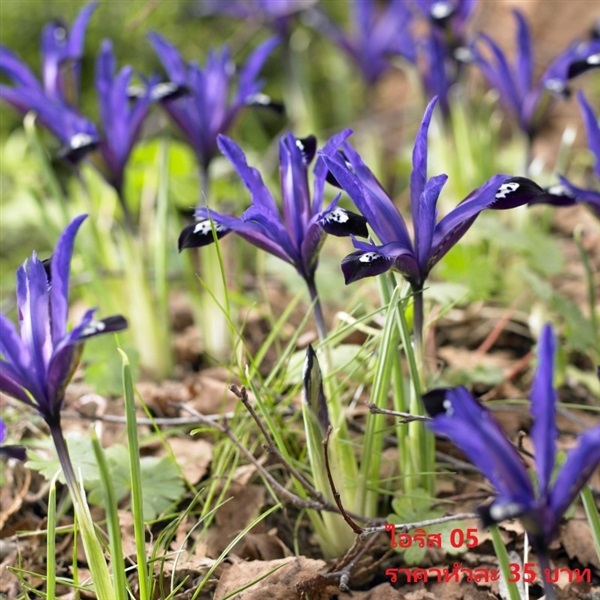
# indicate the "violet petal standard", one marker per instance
pixel 295 233
pixel 38 363
pixel 214 97
pixel 376 36
pixel 514 82
pixel 121 116
pixel 457 415
pixel 432 240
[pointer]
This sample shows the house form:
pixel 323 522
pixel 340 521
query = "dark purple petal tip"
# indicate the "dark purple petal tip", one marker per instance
pixel 342 223
pixel 307 147
pixel 200 234
pixel 358 265
pixel 579 67
pixel 263 101
pixel 79 145
pixel 110 324
pixel 435 402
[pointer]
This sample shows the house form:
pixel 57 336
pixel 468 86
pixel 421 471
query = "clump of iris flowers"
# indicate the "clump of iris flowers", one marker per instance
pixel 296 234
pixel 471 427
pixel 37 364
pixel 122 114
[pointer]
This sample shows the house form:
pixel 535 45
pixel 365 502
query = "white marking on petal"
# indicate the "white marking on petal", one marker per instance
pixel 337 215
pixel 204 228
pixel 499 512
pixel 560 190
pixel 369 257
pixel 441 10
pixel 60 34
pixel 80 140
pixel 448 407
pixel 594 59
pixel 263 100
pixel 506 189
pixel 93 327
pixel 555 85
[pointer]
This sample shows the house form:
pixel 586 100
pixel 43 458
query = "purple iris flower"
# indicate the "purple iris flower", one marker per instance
pixel 444 50
pixel 55 98
pixel 275 13
pixel 211 103
pixel 451 16
pixel 514 83
pixel 10 450
pixel 37 365
pixel 121 116
pixel 296 234
pixel 432 240
pixel 376 36
pixel 457 415
pixel 566 193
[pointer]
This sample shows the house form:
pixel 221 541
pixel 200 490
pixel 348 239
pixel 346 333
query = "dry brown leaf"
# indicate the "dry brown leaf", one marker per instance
pixel 280 585
pixel 383 591
pixel 242 507
pixel 576 537
pixel 193 455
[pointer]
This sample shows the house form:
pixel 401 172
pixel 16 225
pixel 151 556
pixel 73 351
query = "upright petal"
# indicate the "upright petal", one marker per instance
pixel 473 429
pixel 592 128
pixel 295 193
pixel 14 68
pixel 248 84
pixel 418 177
pixel 60 267
pixel 369 197
pixel 426 217
pixel 171 59
pixel 250 176
pixel 524 70
pixel 543 410
pixel 579 466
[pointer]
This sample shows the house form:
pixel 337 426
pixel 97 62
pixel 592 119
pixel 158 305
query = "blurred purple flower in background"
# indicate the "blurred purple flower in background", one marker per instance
pixel 444 50
pixel 519 94
pixel 214 97
pixel 457 415
pixel 121 117
pixel 276 14
pixel 375 37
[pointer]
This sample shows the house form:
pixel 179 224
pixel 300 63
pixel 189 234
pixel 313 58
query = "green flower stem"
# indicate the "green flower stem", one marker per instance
pixel 137 504
pixel 318 309
pixel 112 519
pixel 91 544
pixel 51 542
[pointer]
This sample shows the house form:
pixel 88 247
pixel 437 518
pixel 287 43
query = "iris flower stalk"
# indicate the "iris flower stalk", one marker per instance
pixel 520 95
pixel 444 49
pixel 37 365
pixel 473 429
pixel 295 234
